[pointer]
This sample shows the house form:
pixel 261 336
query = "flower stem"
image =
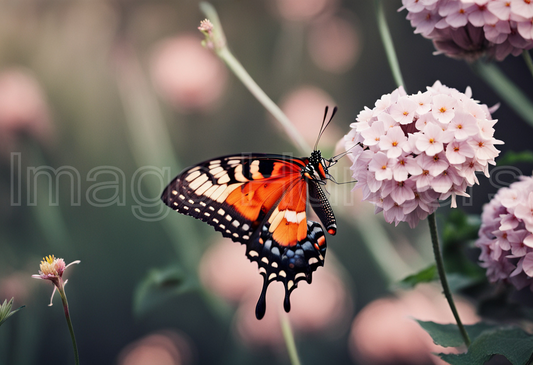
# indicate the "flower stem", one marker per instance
pixel 221 49
pixel 442 275
pixel 388 44
pixel 289 339
pixel 69 323
pixel 527 59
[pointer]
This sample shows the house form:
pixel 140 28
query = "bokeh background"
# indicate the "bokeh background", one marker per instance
pixel 119 96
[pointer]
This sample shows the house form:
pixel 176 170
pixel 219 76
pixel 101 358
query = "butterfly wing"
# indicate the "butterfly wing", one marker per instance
pixel 232 193
pixel 258 200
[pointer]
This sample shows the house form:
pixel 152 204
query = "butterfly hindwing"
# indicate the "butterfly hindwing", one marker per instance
pixel 287 264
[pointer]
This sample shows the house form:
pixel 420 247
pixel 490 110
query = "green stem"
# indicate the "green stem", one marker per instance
pixel 388 44
pixel 505 89
pixel 221 49
pixel 289 339
pixel 69 323
pixel 527 59
pixel 442 275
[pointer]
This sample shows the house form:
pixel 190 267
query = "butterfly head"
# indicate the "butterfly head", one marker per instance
pixel 317 167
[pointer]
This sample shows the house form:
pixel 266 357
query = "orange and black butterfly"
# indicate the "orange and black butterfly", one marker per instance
pixel 260 200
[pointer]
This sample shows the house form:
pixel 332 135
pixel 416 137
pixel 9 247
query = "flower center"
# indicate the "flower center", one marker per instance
pixel 431 140
pixel 456 149
pixel 48 266
pixel 394 144
pixel 442 110
pixel 384 167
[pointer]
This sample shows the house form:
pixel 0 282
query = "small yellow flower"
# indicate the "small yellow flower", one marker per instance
pixel 50 266
pixel 52 269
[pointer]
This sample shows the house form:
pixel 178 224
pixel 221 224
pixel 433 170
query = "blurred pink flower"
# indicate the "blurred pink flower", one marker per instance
pixel 303 10
pixel 187 75
pixel 469 29
pixel 161 348
pixel 17 285
pixel 385 332
pixel 206 26
pixel 225 270
pixel 304 106
pixel 334 44
pixel 23 108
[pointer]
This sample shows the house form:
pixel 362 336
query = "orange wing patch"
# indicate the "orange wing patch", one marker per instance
pixel 288 221
pixel 256 196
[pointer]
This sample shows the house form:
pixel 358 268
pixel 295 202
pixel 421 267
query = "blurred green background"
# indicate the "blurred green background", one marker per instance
pixel 122 87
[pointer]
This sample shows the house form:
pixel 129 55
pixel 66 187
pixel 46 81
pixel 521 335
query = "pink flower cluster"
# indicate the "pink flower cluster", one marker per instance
pixel 506 235
pixel 469 29
pixel 412 150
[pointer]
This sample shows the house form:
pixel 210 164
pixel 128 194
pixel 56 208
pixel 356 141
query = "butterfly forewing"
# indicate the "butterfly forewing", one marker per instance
pixel 232 193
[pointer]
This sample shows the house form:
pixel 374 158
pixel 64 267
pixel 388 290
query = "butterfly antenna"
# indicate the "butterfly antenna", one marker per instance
pixel 321 127
pixel 324 124
pixel 342 154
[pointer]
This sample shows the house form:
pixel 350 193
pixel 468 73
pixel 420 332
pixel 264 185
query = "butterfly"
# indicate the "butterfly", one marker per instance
pixel 261 200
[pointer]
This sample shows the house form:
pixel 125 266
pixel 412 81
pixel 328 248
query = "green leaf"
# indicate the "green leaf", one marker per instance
pixel 5 310
pixel 512 158
pixel 423 276
pixel 160 285
pixel 459 227
pixel 513 343
pixel 447 335
pixel 459 232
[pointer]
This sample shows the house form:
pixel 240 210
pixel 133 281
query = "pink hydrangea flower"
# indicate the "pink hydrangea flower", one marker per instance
pixel 506 235
pixel 404 167
pixel 469 29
